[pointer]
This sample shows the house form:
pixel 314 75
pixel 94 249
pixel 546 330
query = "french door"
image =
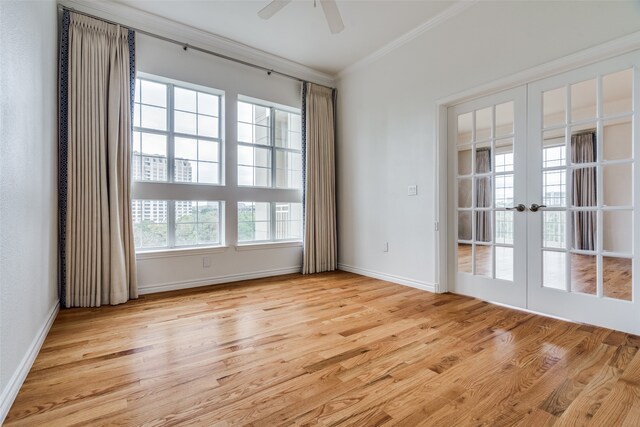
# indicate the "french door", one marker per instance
pixel 488 148
pixel 572 251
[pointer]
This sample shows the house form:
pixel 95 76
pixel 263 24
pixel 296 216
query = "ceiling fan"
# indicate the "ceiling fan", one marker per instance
pixel 329 7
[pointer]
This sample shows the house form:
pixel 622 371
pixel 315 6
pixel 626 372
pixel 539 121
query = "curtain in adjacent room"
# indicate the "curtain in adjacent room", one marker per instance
pixel 97 78
pixel 483 195
pixel 320 241
pixel 583 150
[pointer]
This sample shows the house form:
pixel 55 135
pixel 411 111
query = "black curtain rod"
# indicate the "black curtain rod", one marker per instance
pixel 186 46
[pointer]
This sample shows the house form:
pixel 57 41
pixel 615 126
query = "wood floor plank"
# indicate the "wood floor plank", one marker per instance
pixel 333 349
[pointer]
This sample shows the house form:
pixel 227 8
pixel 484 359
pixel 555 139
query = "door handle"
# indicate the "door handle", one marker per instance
pixel 519 207
pixel 534 207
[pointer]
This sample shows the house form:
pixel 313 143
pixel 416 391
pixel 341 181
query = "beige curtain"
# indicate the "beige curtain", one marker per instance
pixel 583 194
pixel 320 241
pixel 100 256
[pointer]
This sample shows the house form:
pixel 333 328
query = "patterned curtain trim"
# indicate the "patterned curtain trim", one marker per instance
pixel 303 130
pixel 132 70
pixel 63 142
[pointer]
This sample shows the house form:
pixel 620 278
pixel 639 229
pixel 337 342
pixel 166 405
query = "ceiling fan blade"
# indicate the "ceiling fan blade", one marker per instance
pixel 272 8
pixel 331 12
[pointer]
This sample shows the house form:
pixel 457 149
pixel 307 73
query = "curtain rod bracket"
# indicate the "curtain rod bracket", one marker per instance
pixel 269 72
pixel 185 47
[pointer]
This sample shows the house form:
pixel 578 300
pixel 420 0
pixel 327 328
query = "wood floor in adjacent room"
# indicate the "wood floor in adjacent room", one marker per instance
pixel 329 349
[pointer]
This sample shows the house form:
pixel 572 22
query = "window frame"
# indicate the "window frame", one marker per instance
pixel 273 148
pixel 171 134
pixel 272 225
pixel 171 227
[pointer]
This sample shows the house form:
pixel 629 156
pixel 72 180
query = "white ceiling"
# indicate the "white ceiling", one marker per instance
pixel 299 31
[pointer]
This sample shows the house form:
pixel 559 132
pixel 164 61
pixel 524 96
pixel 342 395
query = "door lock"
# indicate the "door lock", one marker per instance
pixel 534 207
pixel 520 208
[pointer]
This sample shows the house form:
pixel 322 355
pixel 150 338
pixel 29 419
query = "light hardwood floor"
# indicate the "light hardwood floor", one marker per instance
pixel 327 349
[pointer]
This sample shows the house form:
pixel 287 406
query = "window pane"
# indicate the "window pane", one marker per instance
pixel 583 100
pixel 262 157
pixel 504 118
pixel 484 260
pixel 208 173
pixel 153 93
pixel 186 148
pixel 465 124
pixel 282 129
pixel 464 257
pixel 208 126
pixel 583 273
pixel 254 221
pixel 185 170
pixel 618 140
pixel 464 226
pixel 554 269
pixel 154 157
pixel 136 115
pixel 616 92
pixel 261 135
pixel 618 185
pixel 484 123
pixel 617 273
pixel 153 118
pixel 504 191
pixel 245 175
pixel 186 235
pixel 245 132
pixel 464 162
pixel 245 155
pixel 245 112
pixel 504 263
pixel 554 229
pixel 208 151
pixel 262 115
pixel 262 177
pixel 184 100
pixel 149 223
pixel 554 107
pixel 504 227
pixel 617 230
pixel 288 221
pixel 185 122
pixel 554 188
pixel 208 104
pixel 289 167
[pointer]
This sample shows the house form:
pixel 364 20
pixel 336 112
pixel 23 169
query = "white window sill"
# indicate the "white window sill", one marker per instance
pixel 267 245
pixel 178 252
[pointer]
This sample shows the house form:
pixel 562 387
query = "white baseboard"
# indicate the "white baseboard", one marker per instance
pixel 429 287
pixel 174 286
pixel 10 392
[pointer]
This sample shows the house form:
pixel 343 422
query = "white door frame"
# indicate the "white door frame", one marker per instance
pixel 445 252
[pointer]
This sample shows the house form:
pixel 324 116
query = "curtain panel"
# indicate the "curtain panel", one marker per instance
pixel 319 200
pixel 97 79
pixel 483 195
pixel 583 194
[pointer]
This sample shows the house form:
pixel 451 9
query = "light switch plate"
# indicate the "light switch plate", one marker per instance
pixel 412 190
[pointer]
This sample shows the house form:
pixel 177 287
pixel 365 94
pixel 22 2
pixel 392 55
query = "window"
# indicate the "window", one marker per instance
pixel 269 221
pixel 161 224
pixel 176 134
pixel 269 146
pixel 179 194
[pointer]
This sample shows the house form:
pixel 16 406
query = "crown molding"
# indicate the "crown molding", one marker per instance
pixel 129 16
pixel 445 15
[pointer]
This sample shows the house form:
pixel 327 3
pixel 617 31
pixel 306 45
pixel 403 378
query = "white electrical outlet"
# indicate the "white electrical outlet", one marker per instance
pixel 206 261
pixel 385 247
pixel 412 190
